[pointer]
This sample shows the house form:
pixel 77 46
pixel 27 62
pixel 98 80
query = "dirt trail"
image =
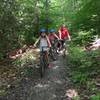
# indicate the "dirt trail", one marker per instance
pixel 52 86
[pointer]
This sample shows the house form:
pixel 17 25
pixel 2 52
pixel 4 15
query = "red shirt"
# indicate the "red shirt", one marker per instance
pixel 52 36
pixel 64 33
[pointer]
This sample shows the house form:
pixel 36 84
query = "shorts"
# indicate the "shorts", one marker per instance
pixel 43 48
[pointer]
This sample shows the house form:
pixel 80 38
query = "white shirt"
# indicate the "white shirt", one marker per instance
pixel 43 43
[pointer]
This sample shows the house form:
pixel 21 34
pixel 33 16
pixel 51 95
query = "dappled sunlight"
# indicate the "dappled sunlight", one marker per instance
pixel 36 50
pixel 31 56
pixel 67 53
pixel 83 33
pixel 55 67
pixel 72 93
pixel 49 49
pixel 54 96
pixel 44 86
pixel 62 52
pixel 59 81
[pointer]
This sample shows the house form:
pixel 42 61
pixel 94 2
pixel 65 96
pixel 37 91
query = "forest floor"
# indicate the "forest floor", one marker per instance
pixel 55 85
pixel 23 82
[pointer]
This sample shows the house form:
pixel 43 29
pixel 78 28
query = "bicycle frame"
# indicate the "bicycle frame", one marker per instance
pixel 53 50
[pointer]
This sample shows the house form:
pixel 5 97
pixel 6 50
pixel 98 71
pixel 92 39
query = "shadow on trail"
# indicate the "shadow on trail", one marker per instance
pixel 55 85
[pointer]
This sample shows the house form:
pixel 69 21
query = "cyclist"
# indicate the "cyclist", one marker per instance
pixel 63 34
pixel 43 41
pixel 52 36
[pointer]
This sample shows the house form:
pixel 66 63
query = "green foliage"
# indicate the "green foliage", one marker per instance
pixel 76 55
pixel 8 25
pixel 76 98
pixel 83 64
pixel 85 69
pixel 95 97
pixel 82 38
pixel 1 55
pixel 79 78
pixel 3 92
pixel 91 85
pixel 21 20
pixel 88 16
pixel 27 58
pixel 30 38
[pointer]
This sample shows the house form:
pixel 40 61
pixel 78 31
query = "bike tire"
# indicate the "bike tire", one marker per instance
pixel 45 63
pixel 53 54
pixel 42 70
pixel 64 52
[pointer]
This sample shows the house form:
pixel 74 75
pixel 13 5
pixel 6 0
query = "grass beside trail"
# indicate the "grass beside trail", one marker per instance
pixel 85 67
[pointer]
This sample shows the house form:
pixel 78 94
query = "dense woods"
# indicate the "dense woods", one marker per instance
pixel 21 20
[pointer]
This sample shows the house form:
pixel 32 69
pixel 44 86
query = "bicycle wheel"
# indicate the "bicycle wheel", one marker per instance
pixel 42 70
pixel 55 53
pixel 65 48
pixel 45 63
pixel 64 52
pixel 51 53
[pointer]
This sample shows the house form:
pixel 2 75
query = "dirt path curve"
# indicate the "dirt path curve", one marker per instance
pixel 54 85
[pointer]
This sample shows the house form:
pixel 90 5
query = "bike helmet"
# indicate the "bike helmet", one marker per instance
pixel 52 31
pixel 43 30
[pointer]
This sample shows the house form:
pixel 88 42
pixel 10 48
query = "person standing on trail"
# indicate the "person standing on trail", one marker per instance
pixel 43 41
pixel 64 34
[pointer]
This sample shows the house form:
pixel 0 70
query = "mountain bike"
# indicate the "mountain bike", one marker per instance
pixel 63 46
pixel 43 61
pixel 53 50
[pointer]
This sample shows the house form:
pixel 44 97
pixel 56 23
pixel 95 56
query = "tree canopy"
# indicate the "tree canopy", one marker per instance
pixel 21 20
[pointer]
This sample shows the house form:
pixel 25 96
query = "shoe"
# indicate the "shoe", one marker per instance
pixel 49 66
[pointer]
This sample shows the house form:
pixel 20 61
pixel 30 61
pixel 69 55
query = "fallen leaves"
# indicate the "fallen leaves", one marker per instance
pixel 10 76
pixel 72 93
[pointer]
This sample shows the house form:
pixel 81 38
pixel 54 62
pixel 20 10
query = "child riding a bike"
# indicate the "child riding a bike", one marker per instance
pixel 64 34
pixel 44 43
pixel 52 36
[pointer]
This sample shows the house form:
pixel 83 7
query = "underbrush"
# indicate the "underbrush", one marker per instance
pixel 85 67
pixel 23 68
pixel 83 37
pixel 27 62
